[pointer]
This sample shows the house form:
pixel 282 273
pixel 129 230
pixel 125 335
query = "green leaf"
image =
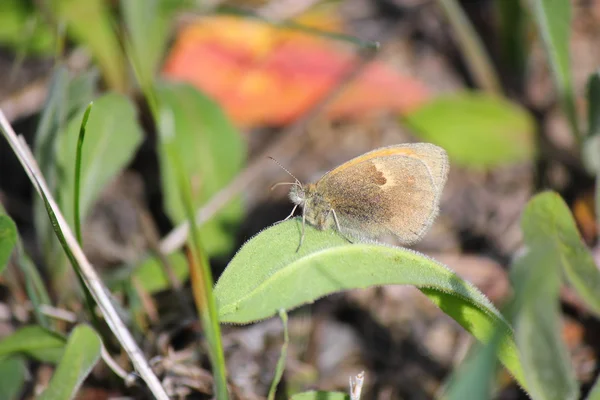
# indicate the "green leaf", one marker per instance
pixel 112 138
pixel 146 22
pixel 549 225
pixel 34 341
pixel 65 98
pixel 282 357
pixel 23 27
pixel 151 276
pixel 513 23
pixel 553 247
pixel 81 354
pixel 8 239
pixel 594 393
pixel 593 95
pixel 476 129
pixel 211 154
pixel 320 395
pixel 590 150
pixel 473 379
pixel 13 372
pixel 547 368
pixel 474 53
pixel 90 23
pixel 268 274
pixel 553 20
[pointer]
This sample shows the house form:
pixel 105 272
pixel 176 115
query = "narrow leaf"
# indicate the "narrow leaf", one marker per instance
pixel 89 22
pixel 553 20
pixel 112 138
pixel 474 378
pixel 474 52
pixel 282 358
pixel 590 150
pixel 146 23
pixel 81 354
pixel 8 239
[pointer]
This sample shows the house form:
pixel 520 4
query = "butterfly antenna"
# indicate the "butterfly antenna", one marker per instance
pixel 288 172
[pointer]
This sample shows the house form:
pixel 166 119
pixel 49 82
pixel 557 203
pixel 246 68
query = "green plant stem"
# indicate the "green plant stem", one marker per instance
pixel 281 362
pixel 200 273
pixel 476 57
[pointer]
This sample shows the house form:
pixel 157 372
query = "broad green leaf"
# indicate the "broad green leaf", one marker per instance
pixel 211 153
pixel 34 341
pixel 549 225
pixel 13 372
pixel 81 354
pixel 8 239
pixel 553 20
pixel 90 23
pixel 112 138
pixel 476 129
pixel 268 274
pixel 320 395
pixel 151 276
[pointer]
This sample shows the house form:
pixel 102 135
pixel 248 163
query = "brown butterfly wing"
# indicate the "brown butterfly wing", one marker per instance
pixel 390 190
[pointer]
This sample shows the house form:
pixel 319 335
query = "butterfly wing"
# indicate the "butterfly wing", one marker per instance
pixel 389 190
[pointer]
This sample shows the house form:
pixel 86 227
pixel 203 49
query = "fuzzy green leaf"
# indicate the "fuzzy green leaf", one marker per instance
pixel 268 274
pixel 81 354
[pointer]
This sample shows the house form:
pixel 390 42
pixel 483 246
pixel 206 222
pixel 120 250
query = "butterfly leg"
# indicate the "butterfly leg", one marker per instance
pixel 303 223
pixel 288 217
pixel 337 224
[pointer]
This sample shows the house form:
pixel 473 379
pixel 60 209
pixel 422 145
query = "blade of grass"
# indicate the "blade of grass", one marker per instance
pixel 200 273
pixel 89 300
pixel 75 254
pixel 553 20
pixel 281 362
pixel 89 22
pixel 76 197
pixel 476 56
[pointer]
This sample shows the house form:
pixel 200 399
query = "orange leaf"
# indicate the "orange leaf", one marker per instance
pixel 263 75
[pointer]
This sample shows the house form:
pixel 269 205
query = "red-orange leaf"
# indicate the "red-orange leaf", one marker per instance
pixel 263 75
